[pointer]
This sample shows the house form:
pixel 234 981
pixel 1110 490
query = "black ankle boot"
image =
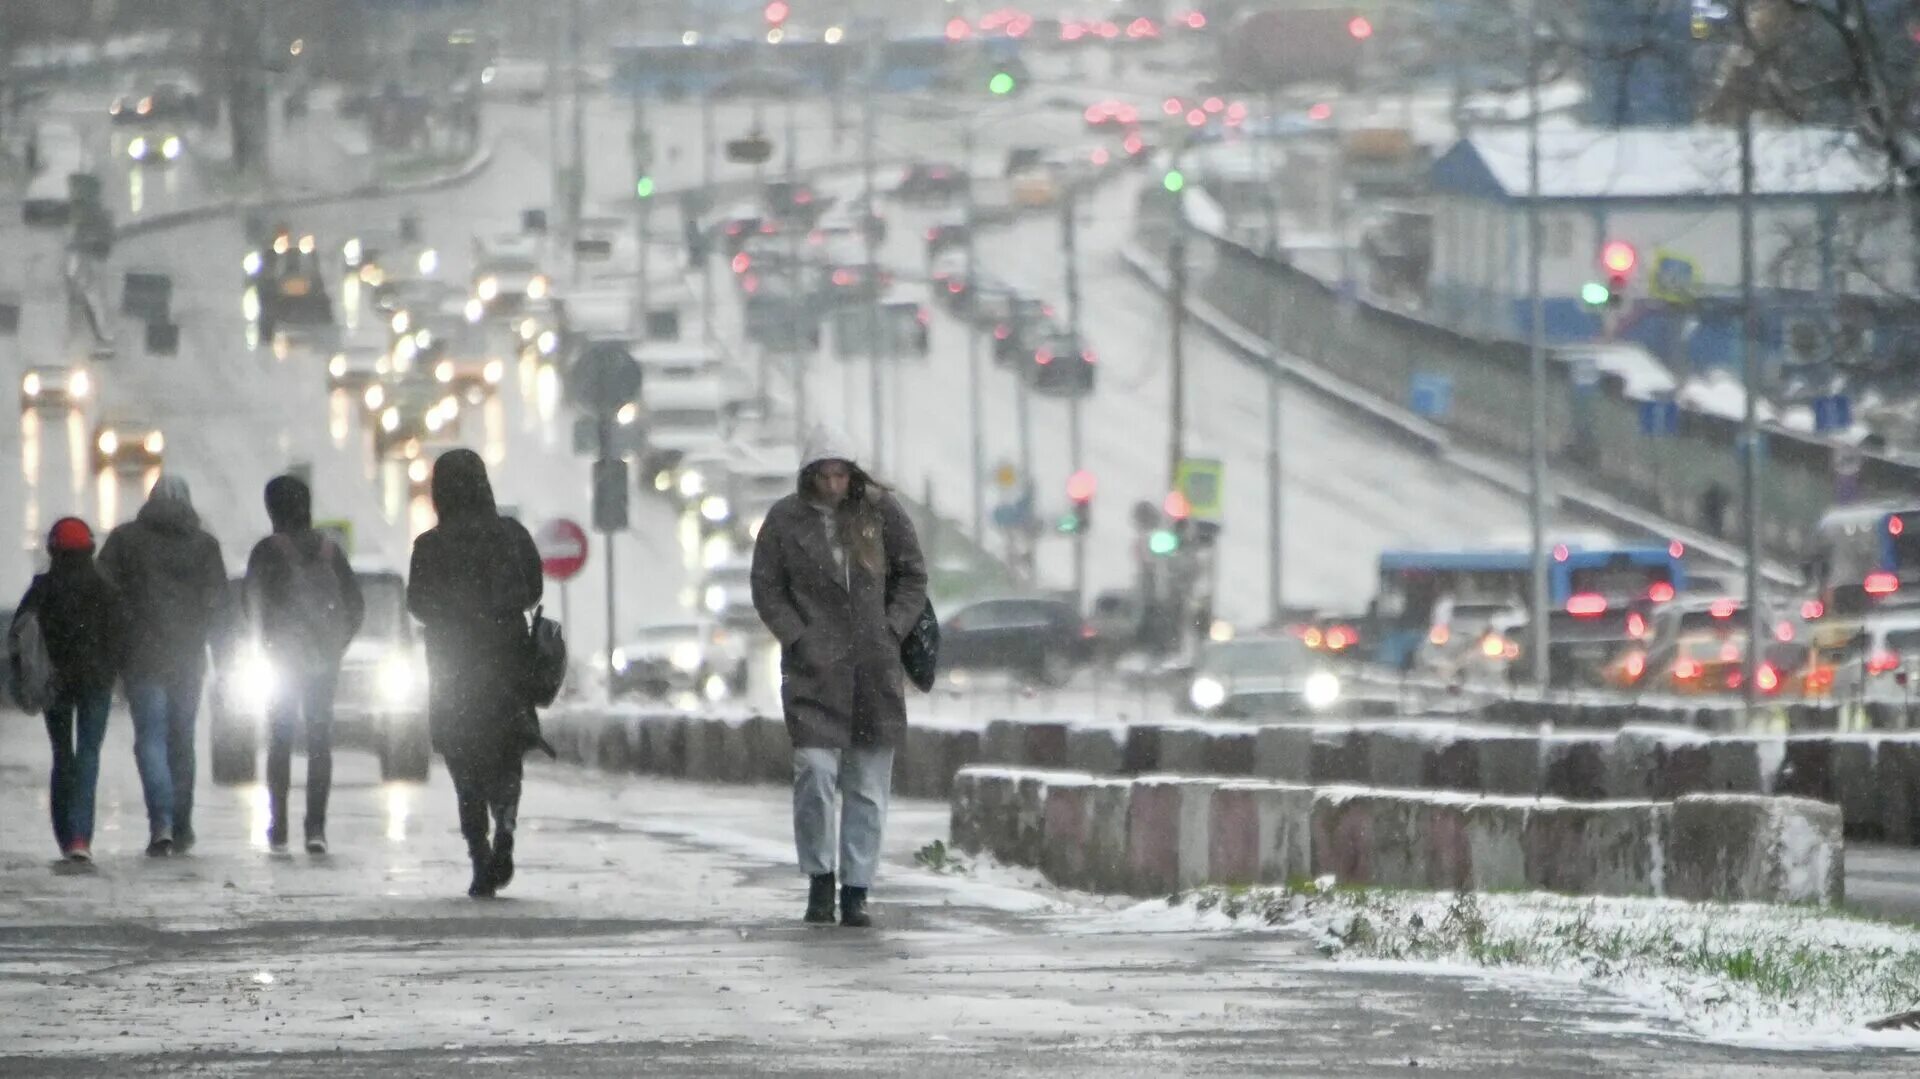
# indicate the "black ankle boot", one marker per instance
pixel 853 908
pixel 820 900
pixel 502 858
pixel 482 857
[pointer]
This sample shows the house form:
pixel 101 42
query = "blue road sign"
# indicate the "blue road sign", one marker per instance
pixel 1659 419
pixel 1432 395
pixel 1831 413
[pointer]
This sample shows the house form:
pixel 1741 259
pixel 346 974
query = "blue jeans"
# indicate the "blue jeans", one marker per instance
pixel 863 777
pixel 76 762
pixel 304 700
pixel 163 713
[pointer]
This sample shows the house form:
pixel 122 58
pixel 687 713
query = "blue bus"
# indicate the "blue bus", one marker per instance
pixel 1594 591
pixel 1866 556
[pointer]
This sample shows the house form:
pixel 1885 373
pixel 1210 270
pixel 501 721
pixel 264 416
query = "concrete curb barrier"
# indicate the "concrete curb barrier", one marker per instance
pixel 1153 835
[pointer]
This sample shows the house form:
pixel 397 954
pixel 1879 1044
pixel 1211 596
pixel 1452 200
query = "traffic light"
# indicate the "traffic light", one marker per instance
pixel 1618 258
pixel 1360 28
pixel 1163 542
pixel 1174 181
pixel 777 12
pixel 1001 84
pixel 1080 489
pixel 643 188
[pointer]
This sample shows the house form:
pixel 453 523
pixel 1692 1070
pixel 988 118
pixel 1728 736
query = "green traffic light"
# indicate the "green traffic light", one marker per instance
pixel 1594 294
pixel 643 188
pixel 1175 180
pixel 1163 542
pixel 1001 83
pixel 1069 524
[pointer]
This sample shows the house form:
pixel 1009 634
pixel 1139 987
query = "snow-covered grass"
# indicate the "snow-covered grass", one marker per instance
pixel 1778 976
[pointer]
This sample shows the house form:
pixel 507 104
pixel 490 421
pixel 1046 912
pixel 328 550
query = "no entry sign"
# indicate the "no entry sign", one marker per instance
pixel 563 548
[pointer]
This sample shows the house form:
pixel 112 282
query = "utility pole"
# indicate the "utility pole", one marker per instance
pixel 974 374
pixel 642 146
pixel 1750 416
pixel 1177 295
pixel 577 157
pixel 1275 583
pixel 878 349
pixel 706 186
pixel 1537 347
pixel 1069 229
pixel 556 170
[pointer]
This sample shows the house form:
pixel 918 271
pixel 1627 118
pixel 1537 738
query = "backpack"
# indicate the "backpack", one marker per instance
pixel 546 659
pixel 30 675
pixel 313 621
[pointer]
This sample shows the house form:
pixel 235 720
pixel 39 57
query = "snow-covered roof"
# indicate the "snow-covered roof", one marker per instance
pixel 1690 162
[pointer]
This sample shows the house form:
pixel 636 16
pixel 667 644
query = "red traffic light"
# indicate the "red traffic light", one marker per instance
pixel 1619 257
pixel 777 12
pixel 1081 486
pixel 1176 506
pixel 1360 27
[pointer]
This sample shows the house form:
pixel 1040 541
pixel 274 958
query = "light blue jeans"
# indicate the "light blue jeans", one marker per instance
pixel 163 713
pixel 863 778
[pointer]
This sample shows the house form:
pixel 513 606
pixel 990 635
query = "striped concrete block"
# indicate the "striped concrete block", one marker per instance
pixel 1167 819
pixel 1748 848
pixel 1260 833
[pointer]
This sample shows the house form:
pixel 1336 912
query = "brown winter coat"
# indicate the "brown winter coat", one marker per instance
pixel 841 684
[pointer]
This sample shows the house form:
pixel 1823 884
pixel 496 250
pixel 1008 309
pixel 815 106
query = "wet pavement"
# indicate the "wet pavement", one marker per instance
pixel 654 927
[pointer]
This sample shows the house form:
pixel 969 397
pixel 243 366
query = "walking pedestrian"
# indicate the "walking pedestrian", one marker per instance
pixel 83 625
pixel 474 576
pixel 171 577
pixel 839 581
pixel 302 594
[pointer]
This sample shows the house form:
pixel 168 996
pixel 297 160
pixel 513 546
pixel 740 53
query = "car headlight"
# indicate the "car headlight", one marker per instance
pixel 137 149
pixel 403 353
pixel 488 288
pixel 475 310
pixel 352 251
pixel 170 148
pixel 714 508
pixel 537 287
pixel 1321 690
pixel 155 443
pixel 715 688
pixel 686 656
pixel 418 471
pixel 628 413
pixel 443 371
pixel 337 367
pixel 423 340
pixel 493 372
pixel 306 244
pixel 390 420
pixel 376 396
pixel 30 385
pixel 252 264
pixel 1207 693
pixel 371 274
pixel 692 484
pixel 548 343
pixel 619 661
pixel 527 329
pixel 254 681
pixel 401 320
pixel 716 598
pixel 79 384
pixel 429 262
pixel 109 443
pixel 399 679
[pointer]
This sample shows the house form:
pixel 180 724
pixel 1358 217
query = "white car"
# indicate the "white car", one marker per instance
pixel 55 386
pixel 726 593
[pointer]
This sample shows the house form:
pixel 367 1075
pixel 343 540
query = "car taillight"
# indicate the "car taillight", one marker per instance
pixel 1661 592
pixel 1586 604
pixel 1635 666
pixel 954 286
pixel 1722 608
pixel 1783 631
pixel 1730 653
pixel 1766 679
pixel 1821 678
pixel 1636 625
pixel 1882 662
pixel 1813 609
pixel 1002 332
pixel 1438 635
pixel 1340 637
pixel 741 261
pixel 1686 669
pixel 1043 357
pixel 932 235
pixel 1493 646
pixel 1882 584
pixel 1087 632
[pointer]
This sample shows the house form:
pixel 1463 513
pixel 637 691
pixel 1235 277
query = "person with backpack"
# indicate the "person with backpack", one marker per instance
pixel 473 577
pixel 174 582
pixel 839 581
pixel 65 645
pixel 304 600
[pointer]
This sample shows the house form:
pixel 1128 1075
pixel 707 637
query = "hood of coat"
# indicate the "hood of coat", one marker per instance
pixel 289 504
pixel 170 506
pixel 461 487
pixel 827 443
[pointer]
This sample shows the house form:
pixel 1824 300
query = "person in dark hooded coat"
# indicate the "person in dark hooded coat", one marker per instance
pixel 170 574
pixel 839 581
pixel 474 576
pixel 84 625
pixel 302 592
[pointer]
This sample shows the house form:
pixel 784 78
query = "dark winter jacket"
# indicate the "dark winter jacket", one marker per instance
pixel 474 576
pixel 83 621
pixel 270 573
pixel 839 623
pixel 171 576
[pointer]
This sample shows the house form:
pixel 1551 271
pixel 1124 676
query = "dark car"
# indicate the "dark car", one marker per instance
pixel 1259 677
pixel 167 103
pixel 1062 367
pixel 932 181
pixel 1037 638
pixel 942 235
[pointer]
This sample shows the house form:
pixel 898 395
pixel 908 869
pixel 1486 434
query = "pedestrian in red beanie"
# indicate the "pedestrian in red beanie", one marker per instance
pixel 82 627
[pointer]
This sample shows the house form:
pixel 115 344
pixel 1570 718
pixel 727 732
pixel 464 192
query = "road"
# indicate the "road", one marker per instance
pixel 655 925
